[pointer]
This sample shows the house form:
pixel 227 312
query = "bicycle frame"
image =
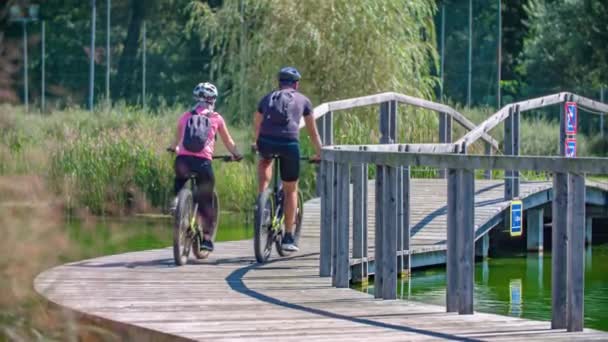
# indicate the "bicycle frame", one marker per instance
pixel 277 220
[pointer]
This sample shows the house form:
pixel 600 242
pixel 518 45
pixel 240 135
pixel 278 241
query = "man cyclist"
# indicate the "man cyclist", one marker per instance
pixel 194 145
pixel 276 132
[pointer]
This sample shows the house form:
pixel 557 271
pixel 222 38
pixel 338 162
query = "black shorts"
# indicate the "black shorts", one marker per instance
pixel 184 166
pixel 288 151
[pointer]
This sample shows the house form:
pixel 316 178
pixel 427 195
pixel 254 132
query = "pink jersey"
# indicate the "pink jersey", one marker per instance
pixel 216 123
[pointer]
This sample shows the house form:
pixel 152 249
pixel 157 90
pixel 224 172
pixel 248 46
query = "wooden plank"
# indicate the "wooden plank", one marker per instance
pixel 431 148
pixel 342 231
pixel 576 252
pixel 452 242
pixel 559 245
pixel 459 161
pixel 466 241
pixel 389 234
pixel 325 241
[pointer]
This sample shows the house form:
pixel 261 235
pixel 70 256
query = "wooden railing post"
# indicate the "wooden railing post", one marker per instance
pixel 508 150
pixel 359 173
pixel 325 128
pixel 576 252
pixel 452 243
pixel 385 123
pixel 326 219
pixel 466 240
pixel 445 134
pixel 515 151
pixel 403 233
pixel 392 124
pixel 389 235
pixel 488 152
pixel 342 227
pixel 378 272
pixel 334 221
pixel 559 244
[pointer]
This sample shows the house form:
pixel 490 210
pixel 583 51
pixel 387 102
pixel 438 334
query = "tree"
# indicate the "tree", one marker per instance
pixel 565 48
pixel 343 48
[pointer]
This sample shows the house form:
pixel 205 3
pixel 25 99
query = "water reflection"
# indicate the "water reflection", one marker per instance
pixel 517 286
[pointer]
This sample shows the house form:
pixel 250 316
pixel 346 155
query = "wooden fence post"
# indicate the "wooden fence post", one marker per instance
pixel 576 252
pixel 385 123
pixel 378 274
pixel 445 134
pixel 488 152
pixel 508 150
pixel 392 125
pixel 559 242
pixel 342 229
pixel 326 219
pixel 452 243
pixel 466 243
pixel 359 172
pixel 389 235
pixel 515 151
pixel 534 234
pixel 404 224
pixel 334 221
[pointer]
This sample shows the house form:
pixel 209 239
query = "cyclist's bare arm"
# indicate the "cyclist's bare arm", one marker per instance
pixel 257 122
pixel 178 137
pixel 309 120
pixel 228 142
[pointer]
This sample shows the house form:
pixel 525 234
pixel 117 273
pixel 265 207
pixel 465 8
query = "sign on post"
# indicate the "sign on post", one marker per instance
pixel 571 113
pixel 516 218
pixel 571 148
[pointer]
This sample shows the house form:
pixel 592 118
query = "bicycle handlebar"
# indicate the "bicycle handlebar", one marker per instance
pixel 225 158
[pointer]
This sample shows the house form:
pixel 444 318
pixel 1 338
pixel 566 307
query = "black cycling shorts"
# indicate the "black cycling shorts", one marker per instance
pixel 288 151
pixel 184 165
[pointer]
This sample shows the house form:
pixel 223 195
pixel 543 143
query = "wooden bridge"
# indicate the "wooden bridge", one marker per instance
pixel 230 297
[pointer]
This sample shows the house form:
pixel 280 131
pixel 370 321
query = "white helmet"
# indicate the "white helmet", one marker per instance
pixel 205 92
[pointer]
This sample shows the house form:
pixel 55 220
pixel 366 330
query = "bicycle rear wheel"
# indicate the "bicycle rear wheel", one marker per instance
pixel 297 228
pixel 263 234
pixel 182 236
pixel 196 244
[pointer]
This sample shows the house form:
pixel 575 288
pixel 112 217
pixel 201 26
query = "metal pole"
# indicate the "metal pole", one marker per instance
pixel 499 55
pixel 43 86
pixel 442 70
pixel 109 5
pixel 470 53
pixel 92 62
pixel 143 78
pixel 25 76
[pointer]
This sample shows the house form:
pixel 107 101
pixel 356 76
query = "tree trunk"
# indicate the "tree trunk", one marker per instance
pixel 127 65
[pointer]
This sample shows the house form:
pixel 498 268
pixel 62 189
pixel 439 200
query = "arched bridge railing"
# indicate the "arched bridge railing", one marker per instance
pixel 510 115
pixel 392 210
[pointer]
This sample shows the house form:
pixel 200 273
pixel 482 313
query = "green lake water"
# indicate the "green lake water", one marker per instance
pixel 111 236
pixel 517 286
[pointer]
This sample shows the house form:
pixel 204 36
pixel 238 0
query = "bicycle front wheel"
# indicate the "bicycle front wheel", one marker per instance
pixel 297 227
pixel 182 234
pixel 196 244
pixel 263 234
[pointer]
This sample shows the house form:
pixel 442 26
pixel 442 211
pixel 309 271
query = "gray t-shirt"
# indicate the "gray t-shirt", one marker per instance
pixel 301 107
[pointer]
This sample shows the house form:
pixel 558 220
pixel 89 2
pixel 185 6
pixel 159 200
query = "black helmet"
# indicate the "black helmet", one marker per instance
pixel 289 74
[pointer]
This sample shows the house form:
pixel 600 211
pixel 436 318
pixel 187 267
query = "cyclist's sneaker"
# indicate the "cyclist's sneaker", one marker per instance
pixel 207 245
pixel 288 243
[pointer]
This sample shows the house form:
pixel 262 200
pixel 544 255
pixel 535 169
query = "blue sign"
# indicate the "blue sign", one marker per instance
pixel 571 113
pixel 516 218
pixel 571 148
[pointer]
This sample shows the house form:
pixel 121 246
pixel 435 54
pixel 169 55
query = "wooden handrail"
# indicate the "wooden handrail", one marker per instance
pixel 357 102
pixel 482 129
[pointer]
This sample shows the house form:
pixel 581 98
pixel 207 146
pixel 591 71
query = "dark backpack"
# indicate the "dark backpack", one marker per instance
pixel 279 103
pixel 196 133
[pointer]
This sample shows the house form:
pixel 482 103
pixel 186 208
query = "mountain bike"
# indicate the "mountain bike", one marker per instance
pixel 269 225
pixel 187 233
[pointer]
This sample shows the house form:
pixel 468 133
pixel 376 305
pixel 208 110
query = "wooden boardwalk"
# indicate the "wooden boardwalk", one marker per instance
pixel 229 297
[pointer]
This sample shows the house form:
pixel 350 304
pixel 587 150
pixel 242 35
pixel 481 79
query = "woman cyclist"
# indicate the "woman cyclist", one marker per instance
pixel 194 145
